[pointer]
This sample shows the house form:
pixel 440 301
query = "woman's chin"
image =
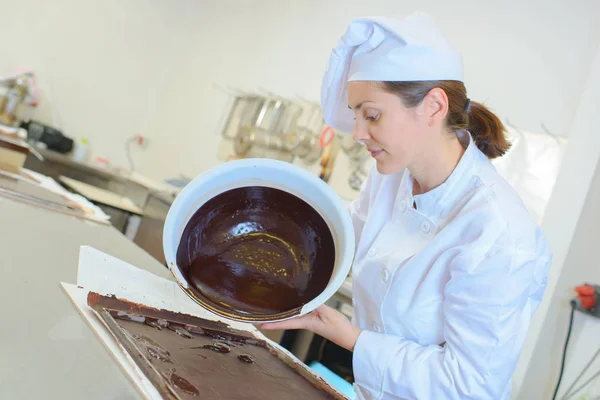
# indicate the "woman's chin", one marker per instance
pixel 387 168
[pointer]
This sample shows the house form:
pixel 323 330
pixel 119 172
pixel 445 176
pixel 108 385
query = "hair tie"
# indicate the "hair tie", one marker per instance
pixel 467 105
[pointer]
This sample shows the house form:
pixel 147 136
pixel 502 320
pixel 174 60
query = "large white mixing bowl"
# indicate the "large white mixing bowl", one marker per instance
pixel 268 173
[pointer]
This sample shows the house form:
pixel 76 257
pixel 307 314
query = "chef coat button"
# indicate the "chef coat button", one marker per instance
pixel 376 328
pixel 425 228
pixel 385 275
pixel 403 206
pixel 372 251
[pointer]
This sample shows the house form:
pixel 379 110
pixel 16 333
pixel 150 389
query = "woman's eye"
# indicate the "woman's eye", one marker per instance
pixel 372 117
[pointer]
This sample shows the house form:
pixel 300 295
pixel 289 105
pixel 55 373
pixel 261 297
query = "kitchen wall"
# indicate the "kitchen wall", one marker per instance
pixel 580 266
pixel 102 67
pixel 109 70
pixel 570 224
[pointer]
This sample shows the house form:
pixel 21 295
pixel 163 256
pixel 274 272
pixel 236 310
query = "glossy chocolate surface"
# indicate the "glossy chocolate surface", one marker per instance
pixel 256 251
pixel 207 363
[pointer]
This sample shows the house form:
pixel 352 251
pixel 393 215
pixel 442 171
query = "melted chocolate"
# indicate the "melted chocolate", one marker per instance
pixel 253 371
pixel 153 324
pixel 218 347
pixel 146 340
pixel 160 354
pixel 246 358
pixel 180 331
pixel 256 251
pixel 123 309
pixel 184 385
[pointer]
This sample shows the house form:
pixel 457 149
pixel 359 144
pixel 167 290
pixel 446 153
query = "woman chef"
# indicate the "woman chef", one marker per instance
pixel 449 266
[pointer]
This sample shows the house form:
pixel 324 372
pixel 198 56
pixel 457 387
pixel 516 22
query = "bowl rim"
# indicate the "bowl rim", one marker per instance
pixel 344 234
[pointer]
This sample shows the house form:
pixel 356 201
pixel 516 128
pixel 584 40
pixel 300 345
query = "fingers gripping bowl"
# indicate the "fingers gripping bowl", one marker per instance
pixel 258 240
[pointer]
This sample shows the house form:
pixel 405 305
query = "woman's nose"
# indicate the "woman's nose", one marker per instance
pixel 361 133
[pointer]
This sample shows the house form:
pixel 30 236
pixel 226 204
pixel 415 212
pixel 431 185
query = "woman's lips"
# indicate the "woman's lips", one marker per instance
pixel 375 153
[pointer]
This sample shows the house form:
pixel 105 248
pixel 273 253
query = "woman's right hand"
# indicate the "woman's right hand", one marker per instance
pixel 324 321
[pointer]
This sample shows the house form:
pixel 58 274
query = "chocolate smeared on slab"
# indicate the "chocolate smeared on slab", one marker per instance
pixel 184 385
pixel 246 358
pixel 251 369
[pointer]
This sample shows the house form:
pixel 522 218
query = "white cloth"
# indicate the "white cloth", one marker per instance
pixel 531 166
pixel 385 49
pixel 444 293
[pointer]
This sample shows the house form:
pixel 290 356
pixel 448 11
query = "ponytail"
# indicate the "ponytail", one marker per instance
pixel 487 130
pixel 485 127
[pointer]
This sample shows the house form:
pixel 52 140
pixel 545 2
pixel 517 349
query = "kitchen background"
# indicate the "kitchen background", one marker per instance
pixel 108 72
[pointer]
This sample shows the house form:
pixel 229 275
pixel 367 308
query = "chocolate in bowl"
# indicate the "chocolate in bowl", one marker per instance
pixel 256 253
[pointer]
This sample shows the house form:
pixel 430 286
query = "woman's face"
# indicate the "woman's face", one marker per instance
pixel 392 133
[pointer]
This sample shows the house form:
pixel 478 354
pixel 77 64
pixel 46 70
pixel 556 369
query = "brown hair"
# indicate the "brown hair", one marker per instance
pixel 487 130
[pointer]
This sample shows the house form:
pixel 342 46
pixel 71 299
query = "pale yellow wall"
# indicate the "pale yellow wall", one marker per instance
pixel 111 69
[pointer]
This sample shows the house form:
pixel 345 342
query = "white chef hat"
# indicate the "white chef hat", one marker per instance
pixel 385 49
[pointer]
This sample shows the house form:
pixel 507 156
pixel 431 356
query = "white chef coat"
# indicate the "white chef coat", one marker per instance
pixel 444 293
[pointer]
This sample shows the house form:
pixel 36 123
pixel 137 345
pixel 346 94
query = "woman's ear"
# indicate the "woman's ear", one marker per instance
pixel 436 106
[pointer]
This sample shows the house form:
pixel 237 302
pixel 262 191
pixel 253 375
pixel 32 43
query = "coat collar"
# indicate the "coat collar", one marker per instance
pixel 436 201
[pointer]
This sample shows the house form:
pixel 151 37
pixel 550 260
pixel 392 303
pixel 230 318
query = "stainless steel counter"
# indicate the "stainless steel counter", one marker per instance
pixel 56 164
pixel 150 231
pixel 46 349
pixel 153 197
